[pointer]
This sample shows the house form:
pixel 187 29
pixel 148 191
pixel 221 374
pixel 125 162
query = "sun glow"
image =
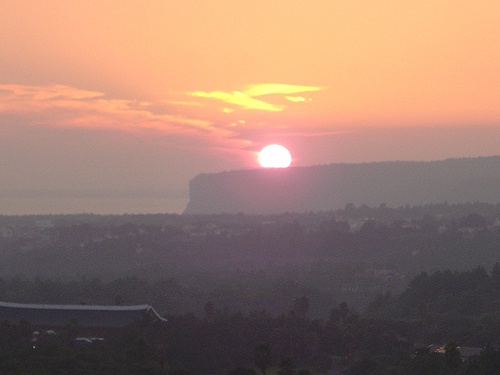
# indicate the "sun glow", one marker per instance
pixel 274 156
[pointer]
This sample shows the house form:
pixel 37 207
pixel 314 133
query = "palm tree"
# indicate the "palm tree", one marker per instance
pixel 262 357
pixel 287 367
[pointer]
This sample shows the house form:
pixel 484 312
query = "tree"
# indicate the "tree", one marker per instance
pixel 452 359
pixel 495 275
pixel 489 361
pixel 210 310
pixel 365 366
pixel 301 307
pixel 286 367
pixel 424 363
pixel 179 372
pixel 242 371
pixel 262 357
pixel 474 221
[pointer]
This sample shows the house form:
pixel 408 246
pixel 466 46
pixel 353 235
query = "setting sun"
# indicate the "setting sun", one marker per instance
pixel 275 156
pixel 153 95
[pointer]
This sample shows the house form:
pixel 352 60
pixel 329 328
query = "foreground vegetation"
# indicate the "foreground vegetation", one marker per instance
pixel 391 337
pixel 242 263
pixel 358 291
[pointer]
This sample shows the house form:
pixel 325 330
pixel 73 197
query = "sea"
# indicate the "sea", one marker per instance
pixel 91 205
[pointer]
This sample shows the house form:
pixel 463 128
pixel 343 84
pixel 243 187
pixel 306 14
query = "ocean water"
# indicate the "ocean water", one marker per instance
pixel 94 205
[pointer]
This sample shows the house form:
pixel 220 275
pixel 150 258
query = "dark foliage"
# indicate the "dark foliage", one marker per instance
pixel 259 294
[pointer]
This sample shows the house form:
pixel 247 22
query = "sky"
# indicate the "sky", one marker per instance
pixel 112 107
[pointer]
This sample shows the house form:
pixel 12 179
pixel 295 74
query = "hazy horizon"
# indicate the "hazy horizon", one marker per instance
pixel 100 97
pixel 111 202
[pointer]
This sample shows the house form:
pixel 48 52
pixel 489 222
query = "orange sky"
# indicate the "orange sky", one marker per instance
pixel 135 98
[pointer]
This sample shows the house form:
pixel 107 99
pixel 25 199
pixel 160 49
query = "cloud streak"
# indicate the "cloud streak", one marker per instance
pixel 179 115
pixel 247 99
pixel 240 99
pixel 278 88
pixel 65 106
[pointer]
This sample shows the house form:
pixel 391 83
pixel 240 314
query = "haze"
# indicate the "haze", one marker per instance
pixel 112 109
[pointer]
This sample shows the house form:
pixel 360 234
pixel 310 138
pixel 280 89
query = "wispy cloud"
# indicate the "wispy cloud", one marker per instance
pixel 312 133
pixel 247 98
pixel 65 106
pixel 180 115
pixel 239 98
pixel 278 88
pixel 297 99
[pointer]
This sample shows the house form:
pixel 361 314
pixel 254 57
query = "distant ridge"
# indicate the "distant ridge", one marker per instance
pixel 330 187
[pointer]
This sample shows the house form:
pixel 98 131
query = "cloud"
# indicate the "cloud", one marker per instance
pixel 257 134
pixel 65 106
pixel 313 133
pixel 278 88
pixel 247 99
pixel 297 99
pixel 178 118
pixel 240 99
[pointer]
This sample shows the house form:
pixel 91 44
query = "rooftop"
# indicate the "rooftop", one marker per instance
pixel 92 316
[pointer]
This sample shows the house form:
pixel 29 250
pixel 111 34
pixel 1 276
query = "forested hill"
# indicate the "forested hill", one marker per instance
pixel 444 294
pixel 330 187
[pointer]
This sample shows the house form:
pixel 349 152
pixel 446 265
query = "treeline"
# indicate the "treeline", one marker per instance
pixel 220 343
pixel 452 212
pixel 464 306
pixel 406 239
pixel 262 266
pixel 230 292
pixel 245 344
pixel 383 212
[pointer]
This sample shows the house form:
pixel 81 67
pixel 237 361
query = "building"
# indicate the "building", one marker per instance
pixel 465 351
pixel 85 320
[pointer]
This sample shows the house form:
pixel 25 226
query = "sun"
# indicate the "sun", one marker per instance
pixel 274 156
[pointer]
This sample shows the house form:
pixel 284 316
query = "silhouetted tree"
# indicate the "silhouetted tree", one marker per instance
pixel 210 310
pixel 242 371
pixel 365 366
pixel 489 361
pixel 262 357
pixel 301 307
pixel 474 221
pixel 424 363
pixel 287 367
pixel 452 360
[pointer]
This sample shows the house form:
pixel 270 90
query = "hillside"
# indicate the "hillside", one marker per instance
pixel 330 187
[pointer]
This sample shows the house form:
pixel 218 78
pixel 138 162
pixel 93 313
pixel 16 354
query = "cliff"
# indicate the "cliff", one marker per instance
pixel 330 187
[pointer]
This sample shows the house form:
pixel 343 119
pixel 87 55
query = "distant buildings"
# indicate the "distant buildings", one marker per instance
pixel 465 351
pixel 85 321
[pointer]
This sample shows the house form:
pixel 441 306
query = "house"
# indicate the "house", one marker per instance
pixel 465 351
pixel 86 320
